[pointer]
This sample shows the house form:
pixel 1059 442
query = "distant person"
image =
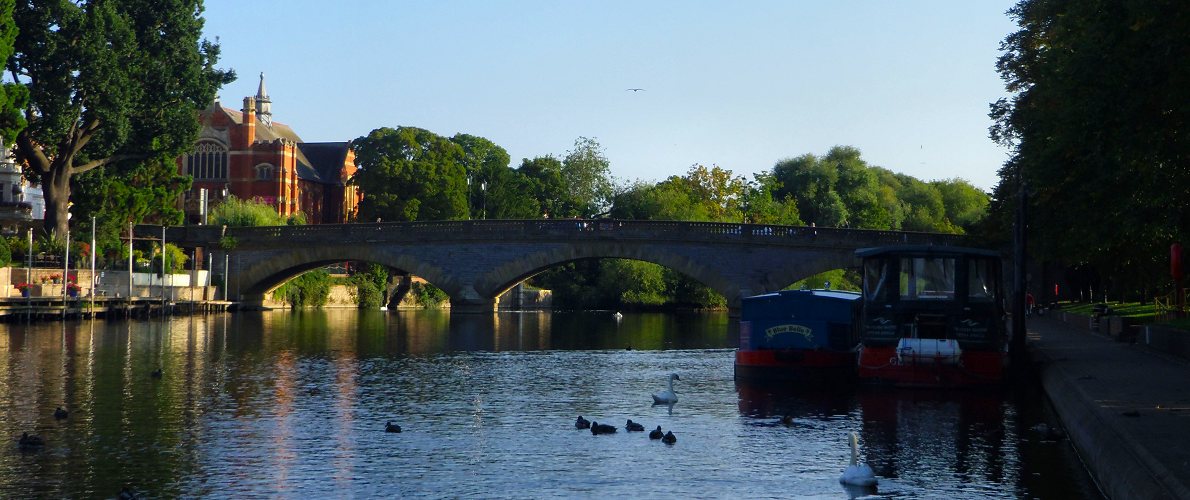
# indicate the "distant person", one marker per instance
pixel 1029 303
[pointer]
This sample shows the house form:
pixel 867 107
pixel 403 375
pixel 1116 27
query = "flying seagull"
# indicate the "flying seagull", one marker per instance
pixel 635 90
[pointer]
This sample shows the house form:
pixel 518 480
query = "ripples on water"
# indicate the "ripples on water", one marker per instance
pixel 294 405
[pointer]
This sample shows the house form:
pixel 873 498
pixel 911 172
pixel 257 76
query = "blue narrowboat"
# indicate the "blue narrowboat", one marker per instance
pixel 798 335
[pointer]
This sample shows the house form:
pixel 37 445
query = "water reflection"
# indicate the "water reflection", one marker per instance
pixel 295 405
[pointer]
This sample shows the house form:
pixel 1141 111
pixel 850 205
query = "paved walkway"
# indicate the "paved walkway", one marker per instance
pixel 1125 408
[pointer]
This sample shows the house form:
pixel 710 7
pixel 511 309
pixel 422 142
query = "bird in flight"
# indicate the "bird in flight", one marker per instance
pixel 634 90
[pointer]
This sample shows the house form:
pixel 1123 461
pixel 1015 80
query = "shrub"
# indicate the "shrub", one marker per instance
pixel 311 289
pixel 428 295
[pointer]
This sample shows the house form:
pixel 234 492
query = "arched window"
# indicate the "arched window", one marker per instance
pixel 264 172
pixel 208 161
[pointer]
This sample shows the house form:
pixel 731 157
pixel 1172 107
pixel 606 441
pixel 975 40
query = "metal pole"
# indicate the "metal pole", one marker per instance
pixel 130 266
pixel 29 280
pixel 1017 346
pixel 91 292
pixel 66 271
pixel 226 272
pixel 163 270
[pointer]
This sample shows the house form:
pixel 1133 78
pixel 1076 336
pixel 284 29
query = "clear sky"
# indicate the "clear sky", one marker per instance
pixel 741 84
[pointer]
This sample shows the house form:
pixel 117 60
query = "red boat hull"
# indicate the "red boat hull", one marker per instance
pixel 793 365
pixel 974 368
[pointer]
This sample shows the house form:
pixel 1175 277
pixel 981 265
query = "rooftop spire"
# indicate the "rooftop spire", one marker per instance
pixel 263 104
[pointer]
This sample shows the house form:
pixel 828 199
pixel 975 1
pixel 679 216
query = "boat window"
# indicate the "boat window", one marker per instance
pixel 927 278
pixel 981 280
pixel 876 279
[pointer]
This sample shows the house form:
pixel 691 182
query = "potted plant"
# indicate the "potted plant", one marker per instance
pixel 73 289
pixel 24 288
pixel 56 278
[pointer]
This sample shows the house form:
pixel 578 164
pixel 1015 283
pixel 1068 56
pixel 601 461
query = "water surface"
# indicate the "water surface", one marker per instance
pixel 294 405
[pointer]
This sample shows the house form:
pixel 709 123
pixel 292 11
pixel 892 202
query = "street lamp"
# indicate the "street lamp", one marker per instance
pixel 483 189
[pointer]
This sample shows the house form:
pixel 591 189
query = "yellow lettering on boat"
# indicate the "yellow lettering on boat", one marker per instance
pixel 771 332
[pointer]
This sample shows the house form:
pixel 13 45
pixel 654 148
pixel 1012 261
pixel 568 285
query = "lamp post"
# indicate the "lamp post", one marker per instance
pixel 483 189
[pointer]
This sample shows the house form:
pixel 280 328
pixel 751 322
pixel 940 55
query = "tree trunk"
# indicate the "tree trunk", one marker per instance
pixel 56 188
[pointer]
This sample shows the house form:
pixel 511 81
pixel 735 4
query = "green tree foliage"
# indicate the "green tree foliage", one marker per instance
pixel 371 285
pixel 311 289
pixel 546 185
pixel 587 178
pixel 13 97
pixel 427 295
pixel 487 170
pixel 840 189
pixel 5 252
pixel 1098 124
pixel 109 83
pixel 175 259
pixel 236 212
pixel 409 174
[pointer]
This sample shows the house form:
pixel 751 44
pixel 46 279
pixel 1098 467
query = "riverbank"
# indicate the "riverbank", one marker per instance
pixel 1125 407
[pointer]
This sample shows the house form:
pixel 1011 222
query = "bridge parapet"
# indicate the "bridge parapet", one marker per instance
pixel 541 230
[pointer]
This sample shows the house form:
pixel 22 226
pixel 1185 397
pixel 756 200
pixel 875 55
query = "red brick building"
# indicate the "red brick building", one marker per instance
pixel 246 154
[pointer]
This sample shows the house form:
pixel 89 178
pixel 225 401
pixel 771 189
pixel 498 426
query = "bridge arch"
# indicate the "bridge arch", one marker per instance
pixel 475 261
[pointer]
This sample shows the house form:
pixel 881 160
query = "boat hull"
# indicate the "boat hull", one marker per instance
pixel 795 365
pixel 882 365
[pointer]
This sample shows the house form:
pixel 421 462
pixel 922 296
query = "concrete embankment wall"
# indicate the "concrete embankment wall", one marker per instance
pixel 1114 399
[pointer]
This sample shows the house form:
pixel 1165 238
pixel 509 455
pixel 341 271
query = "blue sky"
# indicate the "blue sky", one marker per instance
pixel 740 84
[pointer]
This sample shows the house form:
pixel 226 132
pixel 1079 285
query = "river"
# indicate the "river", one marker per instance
pixel 283 404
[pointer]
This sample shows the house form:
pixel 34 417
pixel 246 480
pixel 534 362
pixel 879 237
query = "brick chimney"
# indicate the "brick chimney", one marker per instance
pixel 249 121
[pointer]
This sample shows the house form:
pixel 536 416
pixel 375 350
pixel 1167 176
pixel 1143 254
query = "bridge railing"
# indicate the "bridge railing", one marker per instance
pixel 544 229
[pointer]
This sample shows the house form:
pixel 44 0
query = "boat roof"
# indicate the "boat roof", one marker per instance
pixel 924 250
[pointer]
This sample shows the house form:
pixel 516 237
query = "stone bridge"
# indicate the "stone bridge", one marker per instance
pixel 475 262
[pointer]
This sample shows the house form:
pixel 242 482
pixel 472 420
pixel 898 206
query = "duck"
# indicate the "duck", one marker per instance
pixel 598 428
pixel 787 420
pixel 633 426
pixel 669 438
pixel 30 441
pixel 391 427
pixel 857 474
pixel 60 413
pixel 668 396
pixel 156 373
pixel 656 433
pixel 582 423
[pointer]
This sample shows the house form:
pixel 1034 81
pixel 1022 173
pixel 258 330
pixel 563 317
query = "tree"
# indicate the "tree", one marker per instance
pixel 408 174
pixel 108 82
pixel 485 163
pixel 1100 131
pixel 13 97
pixel 546 184
pixel 586 172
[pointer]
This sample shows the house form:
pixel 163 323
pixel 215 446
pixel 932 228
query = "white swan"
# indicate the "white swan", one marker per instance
pixel 668 396
pixel 857 474
pixel 618 316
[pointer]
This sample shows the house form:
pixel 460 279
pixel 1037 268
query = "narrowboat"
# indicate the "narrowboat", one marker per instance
pixel 932 316
pixel 798 335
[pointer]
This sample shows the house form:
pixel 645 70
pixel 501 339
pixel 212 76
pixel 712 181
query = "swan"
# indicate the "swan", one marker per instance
pixel 633 426
pixel 655 433
pixel 668 396
pixel 582 423
pixel 618 316
pixel 857 474
pixel 391 427
pixel 598 428
pixel 669 438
